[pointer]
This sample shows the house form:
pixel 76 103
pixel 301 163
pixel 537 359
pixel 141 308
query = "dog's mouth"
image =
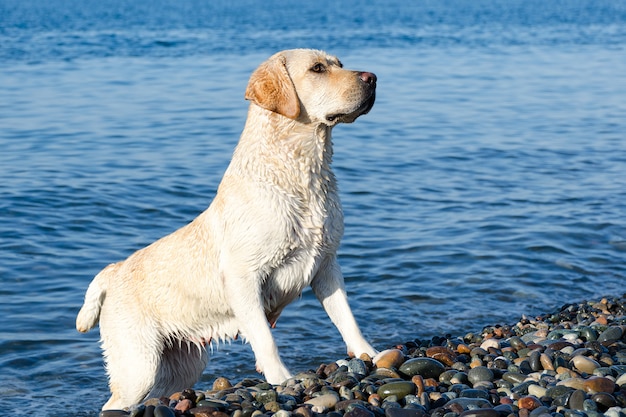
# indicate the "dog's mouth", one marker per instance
pixel 363 108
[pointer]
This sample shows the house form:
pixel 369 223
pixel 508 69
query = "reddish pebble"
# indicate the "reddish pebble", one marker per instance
pixel 419 383
pixel 529 402
pixel 599 384
pixel 430 382
pixel 506 400
pixel 375 400
pixel 184 405
pixel 463 349
pixel 390 358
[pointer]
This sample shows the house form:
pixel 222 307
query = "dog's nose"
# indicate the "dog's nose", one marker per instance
pixel 368 77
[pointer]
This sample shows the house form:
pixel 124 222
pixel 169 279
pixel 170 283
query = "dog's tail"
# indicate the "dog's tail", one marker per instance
pixel 89 314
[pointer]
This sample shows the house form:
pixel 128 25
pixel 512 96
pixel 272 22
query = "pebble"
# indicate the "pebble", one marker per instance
pixel 567 363
pixel 482 412
pixel 426 367
pixel 389 358
pixel 599 384
pixel 326 401
pixel 529 402
pixel 537 390
pixel 400 389
pixel 480 374
pixel 585 364
pixel 611 334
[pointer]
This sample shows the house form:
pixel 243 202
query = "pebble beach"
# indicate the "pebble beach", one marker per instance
pixel 567 363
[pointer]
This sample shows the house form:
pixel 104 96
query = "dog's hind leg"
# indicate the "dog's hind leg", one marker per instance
pixel 132 370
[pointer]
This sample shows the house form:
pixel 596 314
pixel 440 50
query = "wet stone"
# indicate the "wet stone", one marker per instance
pixel 585 364
pixel 534 362
pixel 349 404
pixel 537 390
pixel 398 388
pixel 390 358
pixel 480 373
pixel 588 333
pixel 357 366
pixel 590 405
pixel 522 388
pixel 604 401
pixel 470 403
pixel 426 367
pixel 611 334
pixel 599 384
pixel 546 362
pixel 272 406
pixel 529 402
pixel 557 391
pixel 221 383
pixel 514 377
pixel 576 399
pixel 266 396
pixel 481 412
pixel 517 343
pixel 359 412
pixel 326 401
pixel 220 405
pixel 474 393
pixel 404 412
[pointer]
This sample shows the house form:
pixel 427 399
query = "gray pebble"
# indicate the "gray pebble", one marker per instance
pixel 514 377
pixel 470 403
pixel 357 366
pixel 558 390
pixel 474 393
pixel 611 334
pixel 480 373
pixel 517 343
pixel 576 400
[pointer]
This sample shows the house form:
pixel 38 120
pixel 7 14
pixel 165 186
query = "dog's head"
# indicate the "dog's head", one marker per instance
pixel 311 86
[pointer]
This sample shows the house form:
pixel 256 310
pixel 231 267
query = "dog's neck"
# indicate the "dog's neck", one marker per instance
pixel 272 145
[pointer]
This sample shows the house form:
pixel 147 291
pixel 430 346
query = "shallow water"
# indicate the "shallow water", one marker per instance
pixel 487 182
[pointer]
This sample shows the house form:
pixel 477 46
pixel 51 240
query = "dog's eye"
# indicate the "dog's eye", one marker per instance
pixel 319 68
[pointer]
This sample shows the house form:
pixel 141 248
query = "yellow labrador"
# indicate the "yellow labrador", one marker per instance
pixel 272 230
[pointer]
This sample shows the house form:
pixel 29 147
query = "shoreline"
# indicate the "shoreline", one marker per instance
pixel 570 362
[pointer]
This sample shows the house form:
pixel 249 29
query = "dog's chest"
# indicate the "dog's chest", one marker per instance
pixel 314 227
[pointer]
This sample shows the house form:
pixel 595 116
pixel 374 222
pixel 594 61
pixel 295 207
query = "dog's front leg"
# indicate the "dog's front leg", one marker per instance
pixel 247 306
pixel 328 286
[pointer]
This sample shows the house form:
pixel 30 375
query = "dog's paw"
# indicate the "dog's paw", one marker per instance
pixel 277 375
pixel 361 348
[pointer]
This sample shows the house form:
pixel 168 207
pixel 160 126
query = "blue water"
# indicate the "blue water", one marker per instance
pixel 489 180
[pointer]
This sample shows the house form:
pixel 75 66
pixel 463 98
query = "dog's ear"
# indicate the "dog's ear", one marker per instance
pixel 271 88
